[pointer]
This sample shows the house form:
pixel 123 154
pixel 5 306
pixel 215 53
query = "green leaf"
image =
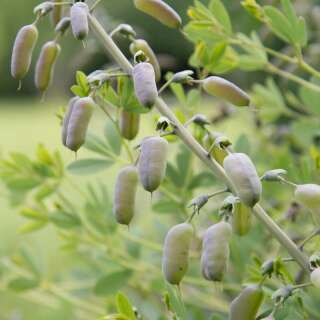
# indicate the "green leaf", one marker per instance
pixel 279 24
pixel 176 303
pixel 166 206
pixel 32 226
pixel 88 166
pixel 113 137
pixel 97 145
pixel 78 91
pixel 311 98
pixel 203 179
pixel 124 306
pixel 242 144
pixel 33 214
pixel 21 284
pixel 221 14
pixel 65 220
pixel 112 282
pixel 82 81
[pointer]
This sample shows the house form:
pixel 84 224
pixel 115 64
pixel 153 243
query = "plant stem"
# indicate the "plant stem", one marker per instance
pixel 112 49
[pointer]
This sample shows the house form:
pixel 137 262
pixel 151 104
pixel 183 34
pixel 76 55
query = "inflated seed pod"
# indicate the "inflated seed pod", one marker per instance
pixel 246 305
pixel 140 44
pixel 315 277
pixel 45 65
pixel 176 252
pixel 57 12
pixel 216 152
pixel 124 195
pixel 241 218
pixel 215 251
pixel 225 89
pixel 129 124
pixel 22 51
pixel 79 20
pixel 145 84
pixel 66 119
pixel 79 122
pixel 153 162
pixel 160 11
pixel 242 173
pixel 308 195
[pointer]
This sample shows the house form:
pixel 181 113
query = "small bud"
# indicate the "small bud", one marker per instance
pixel 267 268
pixel 162 124
pixel 125 30
pixel 43 8
pixel 200 120
pixel 198 203
pixel 98 77
pixel 63 25
pixel 282 294
pixel 274 175
pixel 314 260
pixel 315 277
pixel 183 76
pixel 308 195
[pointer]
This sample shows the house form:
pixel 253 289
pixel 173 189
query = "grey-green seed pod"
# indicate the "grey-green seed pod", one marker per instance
pixel 160 11
pixel 45 65
pixel 176 252
pixel 308 195
pixel 63 25
pixel 140 44
pixel 79 122
pixel 225 89
pixel 241 218
pixel 217 153
pixel 145 84
pixel 129 124
pixel 153 162
pixel 242 172
pixel 24 44
pixel 124 195
pixel 246 305
pixel 79 20
pixel 215 251
pixel 57 12
pixel 66 119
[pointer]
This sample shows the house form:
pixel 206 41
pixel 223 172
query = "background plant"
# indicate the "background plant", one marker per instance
pixel 41 183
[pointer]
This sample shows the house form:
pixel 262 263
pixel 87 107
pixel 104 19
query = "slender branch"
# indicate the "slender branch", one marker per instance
pixel 112 49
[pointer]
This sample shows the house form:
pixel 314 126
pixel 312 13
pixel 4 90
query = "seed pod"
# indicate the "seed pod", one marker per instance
pixel 22 51
pixel 144 84
pixel 215 251
pixel 66 120
pixel 308 195
pixel 63 25
pixel 241 218
pixel 160 11
pixel 79 20
pixel 246 305
pixel 143 45
pixel 45 65
pixel 242 173
pixel 124 195
pixel 129 124
pixel 225 89
pixel 57 12
pixel 176 252
pixel 79 122
pixel 216 152
pixel 153 162
pixel 315 277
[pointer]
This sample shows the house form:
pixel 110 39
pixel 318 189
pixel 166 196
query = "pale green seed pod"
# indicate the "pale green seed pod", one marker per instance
pixel 145 84
pixel 315 277
pixel 24 44
pixel 176 252
pixel 66 119
pixel 225 89
pixel 153 162
pixel 215 251
pixel 160 11
pixel 241 218
pixel 129 124
pixel 124 195
pixel 308 195
pixel 45 65
pixel 242 173
pixel 246 305
pixel 79 20
pixel 217 153
pixel 79 122
pixel 140 44
pixel 57 13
